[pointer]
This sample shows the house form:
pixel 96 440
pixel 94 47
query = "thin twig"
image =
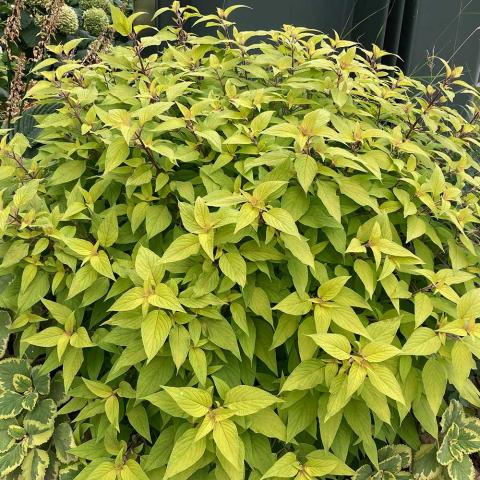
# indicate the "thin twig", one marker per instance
pixel 148 151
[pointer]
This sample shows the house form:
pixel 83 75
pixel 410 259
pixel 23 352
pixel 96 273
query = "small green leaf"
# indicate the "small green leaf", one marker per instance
pixel 117 151
pixel 306 168
pixel 155 329
pixel 234 267
pixel 227 441
pixel 245 400
pixel 281 220
pixel 186 452
pixel 112 410
pixel 193 401
pixel 334 344
pixel 294 304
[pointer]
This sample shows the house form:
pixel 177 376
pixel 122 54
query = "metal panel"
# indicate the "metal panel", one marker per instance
pixel 446 28
pixel 324 15
pixel 414 29
pixel 393 30
pixel 369 22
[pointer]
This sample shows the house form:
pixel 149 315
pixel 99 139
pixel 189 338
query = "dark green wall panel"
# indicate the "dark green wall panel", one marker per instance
pixel 325 15
pixel 445 28
pixel 414 29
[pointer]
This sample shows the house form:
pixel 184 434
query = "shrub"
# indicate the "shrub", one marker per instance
pixel 249 258
pixel 35 443
pixel 460 437
pixel 393 463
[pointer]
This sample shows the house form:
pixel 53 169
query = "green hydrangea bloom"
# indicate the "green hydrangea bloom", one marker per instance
pixel 67 20
pixel 95 21
pixel 88 4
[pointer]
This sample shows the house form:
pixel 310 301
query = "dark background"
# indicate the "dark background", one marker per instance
pixel 413 29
